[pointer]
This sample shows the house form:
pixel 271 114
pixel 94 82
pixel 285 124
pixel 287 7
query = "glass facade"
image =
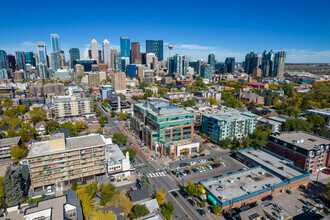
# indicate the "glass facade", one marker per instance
pixel 29 58
pixel 20 60
pixel 3 60
pixel 131 71
pixel 230 64
pixel 125 46
pixel 87 64
pixel 206 72
pixel 42 53
pixel 156 47
pixel 55 40
pixel 74 56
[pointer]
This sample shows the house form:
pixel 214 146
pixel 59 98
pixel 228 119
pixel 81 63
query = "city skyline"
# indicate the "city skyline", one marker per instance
pixel 305 38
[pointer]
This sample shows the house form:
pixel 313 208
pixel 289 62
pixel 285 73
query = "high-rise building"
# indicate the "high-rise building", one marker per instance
pixel 55 41
pixel 42 52
pixel 125 46
pixel 29 58
pixel 86 54
pixel 207 72
pixel 3 60
pixel 113 55
pixel 93 80
pixel 95 50
pixel 106 52
pixel 56 60
pixel 62 57
pixel 20 60
pixel 131 71
pixel 176 65
pixel 252 60
pixel 74 54
pixel 11 61
pixel 72 106
pixel 156 47
pixel 267 63
pixel 230 63
pixel 199 64
pixel 211 59
pixel 42 70
pixel 118 61
pixel 135 53
pixel 118 82
pixel 154 63
pixel 124 63
pixel 279 63
pixel 185 66
pixel 149 60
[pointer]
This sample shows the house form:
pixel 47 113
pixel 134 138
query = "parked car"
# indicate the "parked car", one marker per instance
pixel 183 173
pixel 183 164
pixel 206 141
pixel 192 163
pixel 305 208
pixel 202 155
pixel 195 156
pixel 209 166
pixel 175 194
pixel 184 158
pixel 210 159
pixel 312 212
pixel 326 171
pixel 192 202
pixel 183 193
pixel 202 161
pixel 201 212
pixel 304 202
pixel 194 170
pixel 187 172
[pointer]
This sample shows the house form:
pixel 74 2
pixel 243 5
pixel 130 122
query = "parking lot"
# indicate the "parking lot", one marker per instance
pixel 230 165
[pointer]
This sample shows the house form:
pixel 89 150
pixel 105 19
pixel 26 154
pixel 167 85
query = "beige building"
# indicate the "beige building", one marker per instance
pixel 93 80
pixel 71 106
pixel 118 82
pixel 79 69
pixel 183 96
pixel 61 161
pixel 112 57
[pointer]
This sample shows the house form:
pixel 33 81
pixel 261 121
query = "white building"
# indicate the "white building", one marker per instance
pixel 95 50
pixel 118 164
pixel 106 52
pixel 149 59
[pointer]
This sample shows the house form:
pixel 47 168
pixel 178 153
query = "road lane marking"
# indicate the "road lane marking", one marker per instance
pixel 180 206
pixel 173 190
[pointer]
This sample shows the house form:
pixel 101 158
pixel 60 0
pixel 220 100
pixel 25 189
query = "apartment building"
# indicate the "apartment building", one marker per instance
pixel 49 89
pixel 118 81
pixel 182 96
pixel 325 113
pixel 232 124
pixel 62 161
pixel 66 106
pixel 307 151
pixel 6 144
pixel 162 125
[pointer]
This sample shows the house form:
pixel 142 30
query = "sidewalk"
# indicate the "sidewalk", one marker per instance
pixel 130 180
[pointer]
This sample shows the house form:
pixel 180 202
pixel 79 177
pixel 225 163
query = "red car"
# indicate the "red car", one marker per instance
pixel 326 171
pixel 206 141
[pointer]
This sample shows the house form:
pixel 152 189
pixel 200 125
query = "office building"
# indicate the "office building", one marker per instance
pixel 268 176
pixel 95 51
pixel 118 81
pixel 252 60
pixel 56 60
pixel 135 53
pixel 118 64
pixel 307 151
pixel 207 72
pixel 231 124
pixel 124 63
pixel 176 65
pixel 131 71
pixel 156 47
pixel 106 52
pixel 211 60
pixel 42 53
pixel 149 60
pixel 279 64
pixel 230 63
pixel 87 64
pixel 3 60
pixel 42 71
pixel 62 56
pixel 74 55
pixel 113 57
pixel 62 74
pixel 29 58
pixel 20 61
pixel 125 46
pixel 324 113
pixel 118 164
pixel 11 59
pixel 63 161
pixel 164 127
pixel 267 64
pixel 106 91
pixel 66 106
pixel 55 42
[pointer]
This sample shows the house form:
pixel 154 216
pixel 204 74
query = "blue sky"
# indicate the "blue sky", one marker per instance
pixel 194 28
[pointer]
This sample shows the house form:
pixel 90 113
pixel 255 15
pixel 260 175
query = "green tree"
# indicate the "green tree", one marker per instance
pixel 268 101
pixel 124 116
pixel 17 152
pixel 217 210
pixel 100 214
pixel 143 85
pixel 228 141
pixel 304 104
pixel 119 138
pixel 292 111
pixel 37 114
pixel 213 101
pixel 121 200
pixel 103 120
pixel 14 187
pixel 193 189
pixel 160 196
pixel 200 82
pixel 74 186
pixel 79 126
pixel 139 211
pixel 51 126
pixel 252 107
pixel 8 103
pixel 28 132
pixel 21 109
pixel 11 112
pixel 145 182
pixel 175 100
pixel 315 119
pixel 259 136
pixel 232 102
pixel 298 125
pixel 148 93
pixel 69 126
pixel 132 152
pixel 107 192
pixel 188 103
pixel 2 191
pixel 113 113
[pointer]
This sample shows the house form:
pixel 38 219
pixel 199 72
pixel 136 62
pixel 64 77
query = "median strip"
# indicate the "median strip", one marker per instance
pixel 133 143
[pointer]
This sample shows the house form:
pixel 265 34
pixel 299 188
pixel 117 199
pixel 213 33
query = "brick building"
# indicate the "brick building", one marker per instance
pixel 307 151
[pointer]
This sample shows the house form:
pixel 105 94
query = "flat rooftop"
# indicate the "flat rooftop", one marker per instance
pixel 306 140
pixel 276 164
pixel 43 147
pixel 231 115
pixel 241 183
pixel 113 154
pixel 162 108
pixel 9 141
pixel 325 111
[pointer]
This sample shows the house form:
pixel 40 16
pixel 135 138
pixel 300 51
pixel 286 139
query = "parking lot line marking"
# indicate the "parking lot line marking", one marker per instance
pixel 180 206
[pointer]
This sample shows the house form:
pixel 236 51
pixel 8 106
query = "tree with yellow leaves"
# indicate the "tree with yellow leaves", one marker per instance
pixel 160 196
pixel 99 214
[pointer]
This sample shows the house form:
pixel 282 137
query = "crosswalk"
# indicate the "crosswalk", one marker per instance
pixel 157 174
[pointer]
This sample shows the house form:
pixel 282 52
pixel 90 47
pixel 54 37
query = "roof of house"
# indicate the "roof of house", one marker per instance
pixel 251 95
pixel 139 195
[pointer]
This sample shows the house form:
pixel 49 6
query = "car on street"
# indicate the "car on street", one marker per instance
pixel 305 208
pixel 202 161
pixel 192 163
pixel 312 212
pixel 195 156
pixel 209 166
pixel 184 158
pixel 183 193
pixel 206 141
pixel 183 164
pixel 192 202
pixel 326 171
pixel 202 155
pixel 183 173
pixel 195 170
pixel 201 212
pixel 187 172
pixel 175 194
pixel 210 159
pixel 304 202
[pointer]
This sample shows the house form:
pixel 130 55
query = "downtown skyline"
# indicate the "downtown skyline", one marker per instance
pixel 256 27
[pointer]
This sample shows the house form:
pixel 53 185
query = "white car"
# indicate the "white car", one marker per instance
pixel 202 161
pixel 192 163
pixel 210 167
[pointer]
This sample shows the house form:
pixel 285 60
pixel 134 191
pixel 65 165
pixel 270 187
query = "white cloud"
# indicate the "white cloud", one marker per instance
pixel 29 44
pixel 192 47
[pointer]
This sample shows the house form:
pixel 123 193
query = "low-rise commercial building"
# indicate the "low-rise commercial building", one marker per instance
pixel 307 151
pixel 232 124
pixel 118 164
pixel 269 175
pixel 182 96
pixel 50 89
pixel 106 91
pixel 66 106
pixel 63 161
pixel 6 144
pixel 273 125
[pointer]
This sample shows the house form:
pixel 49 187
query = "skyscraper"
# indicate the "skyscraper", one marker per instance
pixel 176 64
pixel 74 54
pixel 156 47
pixel 42 52
pixel 125 46
pixel 230 63
pixel 135 54
pixel 267 63
pixel 29 58
pixel 113 55
pixel 86 54
pixel 3 60
pixel 20 60
pixel 252 60
pixel 62 56
pixel 55 41
pixel 211 59
pixel 118 61
pixel 11 61
pixel 95 50
pixel 106 52
pixel 206 72
pixel 42 70
pixel 279 63
pixel 56 60
pixel 149 58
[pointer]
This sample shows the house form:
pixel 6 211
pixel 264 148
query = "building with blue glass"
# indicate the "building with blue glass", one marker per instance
pixel 3 60
pixel 131 71
pixel 87 64
pixel 230 64
pixel 125 46
pixel 74 55
pixel 20 60
pixel 207 72
pixel 156 47
pixel 42 52
pixel 55 41
pixel 106 91
pixel 29 58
